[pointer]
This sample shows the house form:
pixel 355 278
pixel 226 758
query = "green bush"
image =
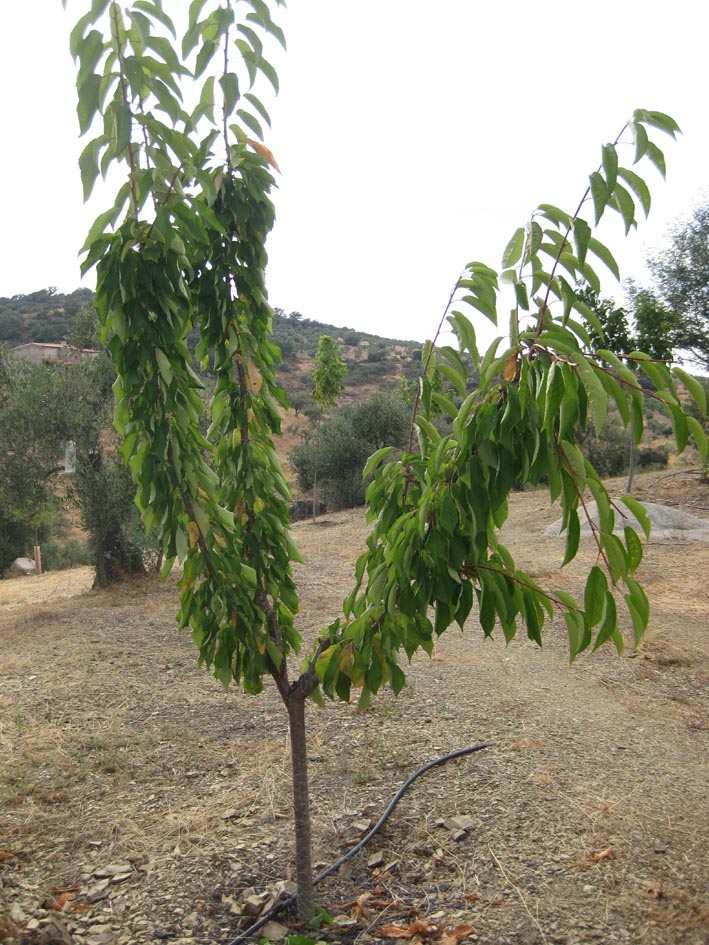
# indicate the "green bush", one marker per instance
pixel 61 555
pixel 652 458
pixel 340 446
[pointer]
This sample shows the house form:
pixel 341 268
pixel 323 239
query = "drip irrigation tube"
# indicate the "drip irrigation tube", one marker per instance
pixel 247 933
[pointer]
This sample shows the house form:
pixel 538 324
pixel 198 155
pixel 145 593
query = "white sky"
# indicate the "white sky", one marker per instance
pixel 413 137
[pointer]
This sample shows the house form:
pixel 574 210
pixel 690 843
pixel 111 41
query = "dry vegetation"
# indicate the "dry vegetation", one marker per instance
pixel 139 801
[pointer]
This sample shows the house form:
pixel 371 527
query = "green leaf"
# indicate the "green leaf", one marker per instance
pixel 560 217
pixel 375 459
pixel 609 627
pixel 229 84
pixel 625 205
pixel 638 186
pixel 610 165
pixel 641 140
pixel 89 165
pixel 597 396
pixel 573 534
pixel 576 464
pixel 656 156
pixel 700 437
pixel 256 103
pixel 695 388
pixel 605 255
pixel 269 72
pixel 680 427
pixel 89 101
pixel 513 250
pixel 595 596
pixel 658 120
pixel 582 239
pixel 164 366
pixel 640 513
pixel 599 194
pixel 616 556
pixel 635 548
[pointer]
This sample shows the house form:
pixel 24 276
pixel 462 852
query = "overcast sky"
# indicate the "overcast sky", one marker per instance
pixel 413 137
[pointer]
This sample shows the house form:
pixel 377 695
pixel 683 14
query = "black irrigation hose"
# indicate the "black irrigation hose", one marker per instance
pixel 243 936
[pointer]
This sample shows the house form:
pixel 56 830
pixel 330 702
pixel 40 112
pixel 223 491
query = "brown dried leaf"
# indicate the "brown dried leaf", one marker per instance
pixel 264 152
pixel 456 935
pixel 395 931
pixel 418 927
pixel 510 368
pixel 603 855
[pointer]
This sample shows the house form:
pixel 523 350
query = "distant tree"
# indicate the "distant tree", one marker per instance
pixel 654 324
pixel 85 331
pixel 607 324
pixel 42 408
pixel 295 316
pixel 329 371
pixel 327 387
pixel 345 441
pixel 681 280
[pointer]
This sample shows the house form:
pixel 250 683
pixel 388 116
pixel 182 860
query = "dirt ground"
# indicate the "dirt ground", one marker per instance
pixel 141 803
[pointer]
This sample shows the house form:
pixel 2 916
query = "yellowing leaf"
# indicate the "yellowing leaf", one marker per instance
pixel 264 152
pixel 254 381
pixel 193 533
pixel 510 368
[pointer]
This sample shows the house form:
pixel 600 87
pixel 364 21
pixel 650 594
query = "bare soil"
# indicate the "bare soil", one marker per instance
pixel 139 802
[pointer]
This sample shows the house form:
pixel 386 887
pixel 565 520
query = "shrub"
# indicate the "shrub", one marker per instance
pixel 340 446
pixel 59 556
pixel 652 458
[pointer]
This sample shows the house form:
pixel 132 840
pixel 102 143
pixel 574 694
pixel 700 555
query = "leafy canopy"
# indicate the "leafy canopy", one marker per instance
pixel 183 248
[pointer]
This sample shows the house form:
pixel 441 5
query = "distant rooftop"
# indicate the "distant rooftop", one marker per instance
pixel 46 353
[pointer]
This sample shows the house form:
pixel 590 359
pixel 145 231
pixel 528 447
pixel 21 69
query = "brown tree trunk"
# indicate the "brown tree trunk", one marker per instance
pixel 301 804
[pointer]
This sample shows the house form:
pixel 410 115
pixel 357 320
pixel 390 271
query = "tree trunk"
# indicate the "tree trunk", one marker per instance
pixel 301 805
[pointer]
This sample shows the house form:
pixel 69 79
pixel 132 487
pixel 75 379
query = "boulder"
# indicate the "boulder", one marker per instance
pixel 20 567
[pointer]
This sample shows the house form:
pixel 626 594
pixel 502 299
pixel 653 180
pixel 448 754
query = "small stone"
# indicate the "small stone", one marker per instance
pixel 121 877
pixel 362 826
pixel 460 835
pixel 113 869
pixel 17 914
pixel 275 931
pixel 252 906
pixel 459 822
pixel 376 859
pixel 98 891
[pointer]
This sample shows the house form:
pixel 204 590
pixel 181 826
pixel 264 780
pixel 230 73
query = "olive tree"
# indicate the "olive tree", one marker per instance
pixel 183 245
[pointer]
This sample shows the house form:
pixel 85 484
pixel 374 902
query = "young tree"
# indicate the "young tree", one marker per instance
pixel 327 387
pixel 184 244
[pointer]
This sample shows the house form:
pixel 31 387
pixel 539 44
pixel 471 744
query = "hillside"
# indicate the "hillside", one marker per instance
pixel 373 363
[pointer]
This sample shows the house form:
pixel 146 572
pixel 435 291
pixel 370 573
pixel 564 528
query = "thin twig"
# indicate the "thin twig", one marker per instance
pixel 519 893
